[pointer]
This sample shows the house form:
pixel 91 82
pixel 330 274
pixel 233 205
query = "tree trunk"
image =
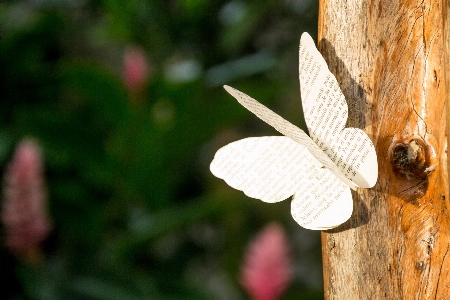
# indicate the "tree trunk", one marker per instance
pixel 388 57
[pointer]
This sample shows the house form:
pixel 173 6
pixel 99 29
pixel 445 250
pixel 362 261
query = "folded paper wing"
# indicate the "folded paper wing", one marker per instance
pixel 274 168
pixel 328 207
pixel 326 113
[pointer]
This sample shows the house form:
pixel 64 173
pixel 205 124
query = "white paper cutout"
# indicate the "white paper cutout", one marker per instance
pixel 317 170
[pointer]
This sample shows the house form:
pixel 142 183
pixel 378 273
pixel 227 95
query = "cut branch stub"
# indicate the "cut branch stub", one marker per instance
pixel 412 160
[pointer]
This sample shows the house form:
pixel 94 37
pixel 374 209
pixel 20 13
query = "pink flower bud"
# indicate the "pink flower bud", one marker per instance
pixel 135 69
pixel 267 269
pixel 24 205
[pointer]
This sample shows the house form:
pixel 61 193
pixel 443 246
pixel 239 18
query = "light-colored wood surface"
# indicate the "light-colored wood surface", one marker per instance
pixel 388 57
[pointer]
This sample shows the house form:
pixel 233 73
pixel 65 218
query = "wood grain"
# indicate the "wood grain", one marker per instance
pixel 388 57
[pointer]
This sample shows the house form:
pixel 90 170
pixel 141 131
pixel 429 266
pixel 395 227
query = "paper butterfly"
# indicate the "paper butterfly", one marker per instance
pixel 318 170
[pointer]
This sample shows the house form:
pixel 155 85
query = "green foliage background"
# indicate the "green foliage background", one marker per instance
pixel 136 212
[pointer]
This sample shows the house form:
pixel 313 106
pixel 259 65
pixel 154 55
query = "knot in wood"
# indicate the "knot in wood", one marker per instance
pixel 411 159
pixel 421 265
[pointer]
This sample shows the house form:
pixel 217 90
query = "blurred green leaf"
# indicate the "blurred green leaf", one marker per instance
pixel 94 85
pixel 152 226
pixel 95 288
pixel 37 282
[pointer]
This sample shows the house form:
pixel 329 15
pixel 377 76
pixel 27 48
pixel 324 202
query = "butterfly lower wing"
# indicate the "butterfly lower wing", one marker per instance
pixel 326 112
pixel 329 206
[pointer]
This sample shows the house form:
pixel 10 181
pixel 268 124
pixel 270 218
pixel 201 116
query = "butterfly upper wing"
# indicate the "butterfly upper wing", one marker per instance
pixel 274 168
pixel 288 129
pixel 326 113
pixel 267 168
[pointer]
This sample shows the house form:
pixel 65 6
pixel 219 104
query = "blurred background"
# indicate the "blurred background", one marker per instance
pixel 110 114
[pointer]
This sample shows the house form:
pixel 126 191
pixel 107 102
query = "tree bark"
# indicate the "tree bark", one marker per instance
pixel 389 59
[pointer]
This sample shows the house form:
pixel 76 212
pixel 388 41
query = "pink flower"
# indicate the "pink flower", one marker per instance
pixel 24 205
pixel 267 269
pixel 135 69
